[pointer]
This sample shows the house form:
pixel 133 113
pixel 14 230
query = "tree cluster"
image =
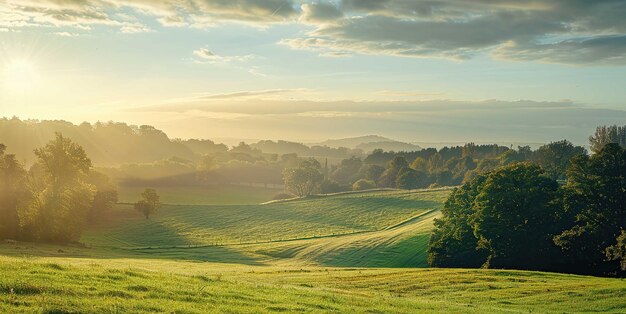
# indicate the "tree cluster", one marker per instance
pixel 518 216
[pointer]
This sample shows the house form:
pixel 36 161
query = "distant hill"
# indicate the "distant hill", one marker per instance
pixel 389 146
pixel 107 144
pixel 353 142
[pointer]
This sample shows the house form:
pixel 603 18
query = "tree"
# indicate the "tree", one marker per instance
pixel 363 184
pixel 60 198
pixel 329 186
pixel 420 164
pixel 617 252
pixel 106 194
pixel 149 204
pixel 12 191
pixel 347 170
pixel 394 166
pixel 595 202
pixel 412 179
pixel 305 179
pixel 555 157
pixel 607 134
pixel 453 243
pixel 373 172
pixel 517 212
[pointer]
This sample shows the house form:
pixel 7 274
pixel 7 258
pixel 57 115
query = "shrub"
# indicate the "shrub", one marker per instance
pixel 363 185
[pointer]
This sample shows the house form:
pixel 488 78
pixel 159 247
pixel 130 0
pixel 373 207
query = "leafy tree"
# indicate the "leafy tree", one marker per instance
pixel 595 200
pixel 617 252
pixel 363 184
pixel 510 157
pixel 13 189
pixel 555 157
pixel 412 179
pixel 517 210
pixel 347 170
pixel 394 166
pixel 420 164
pixel 305 179
pixel 607 134
pixel 329 186
pixel 373 172
pixel 453 243
pixel 149 204
pixel 61 199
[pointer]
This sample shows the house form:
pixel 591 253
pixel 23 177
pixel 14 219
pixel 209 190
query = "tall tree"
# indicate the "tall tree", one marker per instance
pixel 516 217
pixel 394 166
pixel 453 243
pixel 305 179
pixel 595 199
pixel 61 199
pixel 555 157
pixel 607 134
pixel 12 190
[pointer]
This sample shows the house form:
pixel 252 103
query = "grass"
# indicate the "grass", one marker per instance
pixel 49 285
pixel 354 252
pixel 196 225
pixel 213 195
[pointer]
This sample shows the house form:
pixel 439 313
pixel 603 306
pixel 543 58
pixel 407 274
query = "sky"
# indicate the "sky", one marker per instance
pixel 424 71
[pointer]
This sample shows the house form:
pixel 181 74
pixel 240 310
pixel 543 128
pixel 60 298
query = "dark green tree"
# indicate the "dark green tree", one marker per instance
pixel 347 170
pixel 453 243
pixel 394 166
pixel 555 157
pixel 517 212
pixel 412 179
pixel 595 201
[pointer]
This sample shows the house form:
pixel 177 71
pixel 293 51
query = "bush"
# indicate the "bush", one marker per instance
pixel 330 186
pixel 283 196
pixel 363 185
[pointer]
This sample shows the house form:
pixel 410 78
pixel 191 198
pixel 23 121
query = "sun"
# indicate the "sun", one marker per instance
pixel 20 75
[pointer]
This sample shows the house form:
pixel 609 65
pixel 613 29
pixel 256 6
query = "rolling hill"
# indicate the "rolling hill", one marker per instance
pixel 347 252
pixel 352 229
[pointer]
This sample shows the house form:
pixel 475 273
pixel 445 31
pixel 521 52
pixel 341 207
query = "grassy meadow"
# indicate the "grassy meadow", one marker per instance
pixel 351 252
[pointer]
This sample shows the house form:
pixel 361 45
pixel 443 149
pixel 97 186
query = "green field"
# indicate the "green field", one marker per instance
pixel 351 252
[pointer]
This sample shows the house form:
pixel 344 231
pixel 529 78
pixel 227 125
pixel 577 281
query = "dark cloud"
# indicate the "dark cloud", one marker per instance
pixel 320 13
pixel 576 32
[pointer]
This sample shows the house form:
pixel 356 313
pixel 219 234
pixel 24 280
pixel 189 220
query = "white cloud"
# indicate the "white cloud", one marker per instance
pixel 204 55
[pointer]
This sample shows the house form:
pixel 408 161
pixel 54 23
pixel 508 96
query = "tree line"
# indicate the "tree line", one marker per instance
pixel 518 216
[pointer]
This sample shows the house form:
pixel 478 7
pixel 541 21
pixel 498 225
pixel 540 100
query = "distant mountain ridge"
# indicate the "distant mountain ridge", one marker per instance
pixel 368 143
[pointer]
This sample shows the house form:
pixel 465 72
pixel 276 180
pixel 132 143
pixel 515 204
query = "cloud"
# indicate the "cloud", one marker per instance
pixel 205 55
pixel 320 13
pixel 575 32
pixel 558 31
pixel 248 94
pixel 198 13
pixel 66 34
